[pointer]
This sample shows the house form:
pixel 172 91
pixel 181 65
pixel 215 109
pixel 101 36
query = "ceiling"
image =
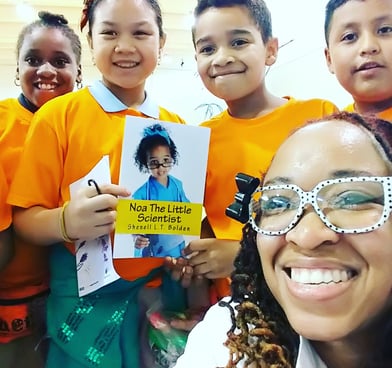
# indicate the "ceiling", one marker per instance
pixel 177 19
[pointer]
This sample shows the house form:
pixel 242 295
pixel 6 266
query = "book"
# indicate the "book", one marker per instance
pixel 94 263
pixel 164 166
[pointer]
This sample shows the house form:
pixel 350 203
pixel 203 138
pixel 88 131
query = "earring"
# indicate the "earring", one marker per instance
pixel 79 84
pixel 17 80
pixel 159 57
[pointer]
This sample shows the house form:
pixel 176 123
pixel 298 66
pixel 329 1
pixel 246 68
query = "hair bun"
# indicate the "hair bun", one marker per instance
pixel 52 19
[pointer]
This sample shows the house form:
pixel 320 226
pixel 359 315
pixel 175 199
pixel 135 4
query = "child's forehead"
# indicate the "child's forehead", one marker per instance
pixel 361 11
pixel 215 21
pixel 159 149
pixel 231 14
pixel 356 14
pixel 46 39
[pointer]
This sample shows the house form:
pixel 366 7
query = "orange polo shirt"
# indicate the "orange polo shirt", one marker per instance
pixel 69 135
pixel 5 209
pixel 248 145
pixel 28 272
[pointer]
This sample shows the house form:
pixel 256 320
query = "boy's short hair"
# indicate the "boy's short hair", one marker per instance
pixel 330 9
pixel 258 11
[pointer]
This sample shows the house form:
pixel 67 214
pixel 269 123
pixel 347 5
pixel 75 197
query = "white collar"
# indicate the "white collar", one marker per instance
pixel 110 103
pixel 307 356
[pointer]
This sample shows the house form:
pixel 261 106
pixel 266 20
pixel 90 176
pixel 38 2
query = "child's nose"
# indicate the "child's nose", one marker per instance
pixel 369 44
pixel 125 44
pixel 46 69
pixel 223 57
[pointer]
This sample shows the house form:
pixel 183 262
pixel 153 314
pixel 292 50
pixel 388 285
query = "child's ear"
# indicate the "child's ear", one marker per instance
pixel 328 60
pixel 272 47
pixel 162 41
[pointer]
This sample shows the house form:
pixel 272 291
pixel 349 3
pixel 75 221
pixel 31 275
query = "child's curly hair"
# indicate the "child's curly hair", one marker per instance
pixel 260 332
pixel 154 136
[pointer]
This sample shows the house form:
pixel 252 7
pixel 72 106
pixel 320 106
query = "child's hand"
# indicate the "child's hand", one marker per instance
pixel 141 241
pixel 90 214
pixel 192 317
pixel 212 258
pixel 180 270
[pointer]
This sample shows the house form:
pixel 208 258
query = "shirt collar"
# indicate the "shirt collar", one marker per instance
pixel 110 103
pixel 307 356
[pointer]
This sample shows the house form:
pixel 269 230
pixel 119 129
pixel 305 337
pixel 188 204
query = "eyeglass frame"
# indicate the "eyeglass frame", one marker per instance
pixel 159 164
pixel 309 197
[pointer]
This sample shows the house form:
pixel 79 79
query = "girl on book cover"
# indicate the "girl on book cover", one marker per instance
pixel 157 154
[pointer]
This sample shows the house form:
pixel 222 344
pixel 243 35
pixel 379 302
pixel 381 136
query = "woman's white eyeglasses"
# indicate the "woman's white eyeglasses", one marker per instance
pixel 348 205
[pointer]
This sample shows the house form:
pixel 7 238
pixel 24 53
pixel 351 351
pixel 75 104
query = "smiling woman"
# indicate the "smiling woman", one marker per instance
pixel 312 281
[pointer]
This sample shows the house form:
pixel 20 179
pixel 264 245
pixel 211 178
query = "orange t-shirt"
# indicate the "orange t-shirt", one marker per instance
pixel 248 145
pixel 28 272
pixel 385 114
pixel 69 135
pixel 5 209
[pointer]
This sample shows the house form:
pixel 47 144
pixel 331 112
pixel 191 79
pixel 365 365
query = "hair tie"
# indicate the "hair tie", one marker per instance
pixel 239 210
pixel 84 18
pixel 156 130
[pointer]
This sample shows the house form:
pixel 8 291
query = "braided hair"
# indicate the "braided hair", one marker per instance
pixel 260 332
pixel 265 337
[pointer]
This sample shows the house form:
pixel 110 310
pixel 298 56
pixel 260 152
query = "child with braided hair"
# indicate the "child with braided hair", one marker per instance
pixel 312 281
pixel 103 328
pixel 48 65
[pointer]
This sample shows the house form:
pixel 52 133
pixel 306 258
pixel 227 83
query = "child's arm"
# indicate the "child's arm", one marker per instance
pixel 87 216
pixel 198 295
pixel 6 247
pixel 207 257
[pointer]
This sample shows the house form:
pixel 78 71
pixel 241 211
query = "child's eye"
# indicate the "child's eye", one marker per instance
pixel 108 33
pixel 60 63
pixel 207 50
pixel 33 61
pixel 142 33
pixel 239 42
pixel 384 30
pixel 348 37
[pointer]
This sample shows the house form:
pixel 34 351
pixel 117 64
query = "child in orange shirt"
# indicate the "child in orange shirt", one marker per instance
pixel 48 65
pixel 101 329
pixel 234 47
pixel 359 51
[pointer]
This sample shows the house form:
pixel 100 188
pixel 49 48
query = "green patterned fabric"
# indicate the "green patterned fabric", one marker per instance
pixel 101 329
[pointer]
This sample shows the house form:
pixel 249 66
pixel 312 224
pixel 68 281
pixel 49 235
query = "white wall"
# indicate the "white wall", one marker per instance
pixel 300 70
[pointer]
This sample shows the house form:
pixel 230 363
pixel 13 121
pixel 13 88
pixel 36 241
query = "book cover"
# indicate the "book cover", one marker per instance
pixel 164 166
pixel 94 264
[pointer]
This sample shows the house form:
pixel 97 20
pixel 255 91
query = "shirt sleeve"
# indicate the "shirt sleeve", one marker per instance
pixel 205 346
pixel 5 208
